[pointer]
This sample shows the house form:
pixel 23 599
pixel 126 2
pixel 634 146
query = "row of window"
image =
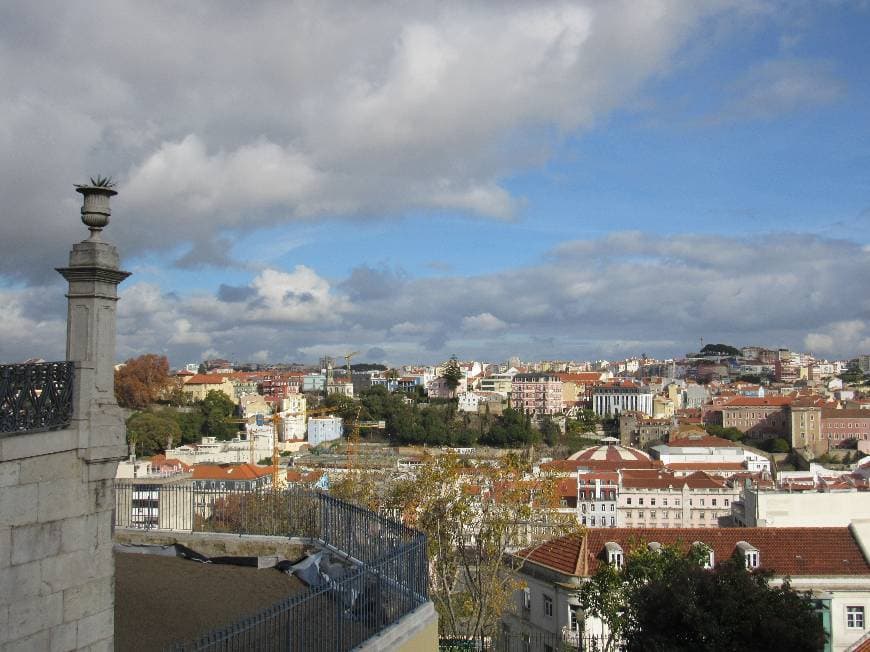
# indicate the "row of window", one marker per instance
pixel 714 502
pixel 602 521
pixel 603 507
pixel 606 495
pixel 665 514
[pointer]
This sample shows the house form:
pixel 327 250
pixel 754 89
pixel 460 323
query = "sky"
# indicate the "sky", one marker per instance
pixel 411 180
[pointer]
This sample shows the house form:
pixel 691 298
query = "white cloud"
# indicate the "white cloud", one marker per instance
pixel 287 111
pixel 779 86
pixel 485 321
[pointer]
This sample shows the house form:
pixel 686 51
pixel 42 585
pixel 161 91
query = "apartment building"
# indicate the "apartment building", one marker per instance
pixel 759 418
pixel 537 394
pixel 661 499
pixel 197 387
pixel 830 564
pixel 623 396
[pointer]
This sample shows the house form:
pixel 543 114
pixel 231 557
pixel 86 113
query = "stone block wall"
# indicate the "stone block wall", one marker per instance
pixel 56 564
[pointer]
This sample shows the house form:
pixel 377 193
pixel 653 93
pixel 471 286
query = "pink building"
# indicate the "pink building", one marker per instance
pixel 839 426
pixel 537 393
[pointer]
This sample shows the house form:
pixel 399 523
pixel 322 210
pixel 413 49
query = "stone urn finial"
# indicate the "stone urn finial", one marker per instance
pixel 95 208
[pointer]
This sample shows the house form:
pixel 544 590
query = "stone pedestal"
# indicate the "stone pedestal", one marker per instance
pixel 93 275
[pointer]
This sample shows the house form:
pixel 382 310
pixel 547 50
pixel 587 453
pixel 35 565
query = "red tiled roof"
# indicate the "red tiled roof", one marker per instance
pixel 206 379
pixel 753 401
pixel 663 480
pixel 229 471
pixel 786 551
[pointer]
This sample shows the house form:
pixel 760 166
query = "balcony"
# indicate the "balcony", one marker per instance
pixel 384 585
pixel 35 397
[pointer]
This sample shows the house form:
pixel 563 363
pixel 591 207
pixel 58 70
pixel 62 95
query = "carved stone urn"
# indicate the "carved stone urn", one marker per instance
pixel 95 208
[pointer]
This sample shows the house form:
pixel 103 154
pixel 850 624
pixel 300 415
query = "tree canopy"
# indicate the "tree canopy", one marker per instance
pixel 665 600
pixel 141 381
pixel 720 349
pixel 150 432
pixel 452 374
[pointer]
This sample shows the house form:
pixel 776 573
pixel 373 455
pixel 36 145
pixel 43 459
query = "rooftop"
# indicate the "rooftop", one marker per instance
pixel 786 551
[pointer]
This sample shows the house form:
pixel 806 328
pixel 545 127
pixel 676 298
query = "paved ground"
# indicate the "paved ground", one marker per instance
pixel 160 600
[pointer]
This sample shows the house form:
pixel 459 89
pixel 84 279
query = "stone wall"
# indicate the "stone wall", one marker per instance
pixel 56 565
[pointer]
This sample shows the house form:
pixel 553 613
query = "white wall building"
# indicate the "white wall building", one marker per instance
pixel 610 400
pixel 322 429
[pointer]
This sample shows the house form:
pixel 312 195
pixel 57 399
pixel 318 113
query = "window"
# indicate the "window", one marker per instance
pixel 665 502
pixel 614 553
pixel 628 501
pixel 548 606
pixel 652 501
pixel 592 507
pixel 640 501
pixel 592 521
pixel 714 502
pixel 572 618
pixel 702 502
pixel 652 514
pixel 726 502
pixel 855 617
pixel 750 554
pixel 612 507
pixel 603 507
pixel 677 502
pixel 612 521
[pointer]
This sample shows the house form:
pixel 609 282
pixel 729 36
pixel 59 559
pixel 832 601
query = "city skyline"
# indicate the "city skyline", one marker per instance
pixel 552 181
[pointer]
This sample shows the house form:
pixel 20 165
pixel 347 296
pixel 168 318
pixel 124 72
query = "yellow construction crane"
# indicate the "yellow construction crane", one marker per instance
pixel 276 455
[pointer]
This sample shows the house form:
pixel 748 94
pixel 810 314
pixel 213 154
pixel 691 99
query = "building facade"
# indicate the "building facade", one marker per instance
pixel 612 400
pixel 537 394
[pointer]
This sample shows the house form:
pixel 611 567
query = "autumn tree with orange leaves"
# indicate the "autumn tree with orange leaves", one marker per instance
pixel 142 381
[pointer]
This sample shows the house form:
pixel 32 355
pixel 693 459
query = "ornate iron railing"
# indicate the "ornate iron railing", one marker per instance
pixel 35 397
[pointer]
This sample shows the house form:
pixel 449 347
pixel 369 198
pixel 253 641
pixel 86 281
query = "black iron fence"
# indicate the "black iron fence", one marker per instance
pixel 388 576
pixel 35 397
pixel 537 641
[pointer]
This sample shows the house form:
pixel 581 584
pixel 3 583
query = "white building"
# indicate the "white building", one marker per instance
pixel 611 400
pixel 830 563
pixel 322 429
pixel 468 402
pixel 714 455
pixel 812 508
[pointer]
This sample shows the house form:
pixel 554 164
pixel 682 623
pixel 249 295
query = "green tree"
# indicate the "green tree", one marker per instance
pixel 216 409
pixel 469 535
pixel 190 422
pixel 550 431
pixel 150 432
pixel 666 600
pixel 452 374
pixel 720 349
pixel 731 433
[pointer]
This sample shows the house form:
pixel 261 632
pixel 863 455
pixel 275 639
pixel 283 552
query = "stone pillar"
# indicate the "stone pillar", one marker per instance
pixel 93 275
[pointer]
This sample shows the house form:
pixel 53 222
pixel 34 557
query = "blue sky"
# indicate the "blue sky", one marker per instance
pixel 563 180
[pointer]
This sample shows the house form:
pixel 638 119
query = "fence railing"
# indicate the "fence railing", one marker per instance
pixel 388 576
pixel 35 397
pixel 536 641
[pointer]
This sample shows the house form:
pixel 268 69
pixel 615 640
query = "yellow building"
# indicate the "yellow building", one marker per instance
pixel 196 387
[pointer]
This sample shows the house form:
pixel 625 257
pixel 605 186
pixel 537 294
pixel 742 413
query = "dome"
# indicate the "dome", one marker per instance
pixel 613 456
